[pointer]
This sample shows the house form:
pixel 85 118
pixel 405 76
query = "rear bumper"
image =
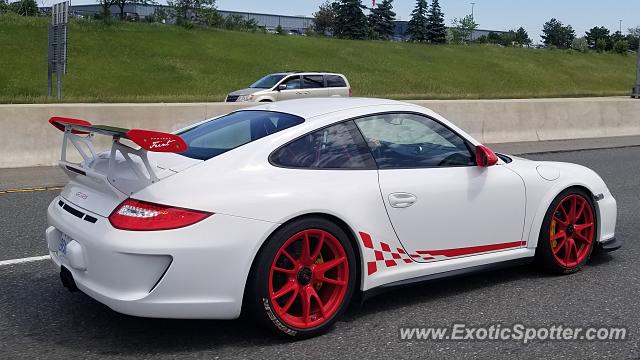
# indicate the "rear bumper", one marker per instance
pixel 195 272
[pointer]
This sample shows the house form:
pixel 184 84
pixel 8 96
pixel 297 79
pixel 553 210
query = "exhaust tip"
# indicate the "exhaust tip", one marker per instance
pixel 67 280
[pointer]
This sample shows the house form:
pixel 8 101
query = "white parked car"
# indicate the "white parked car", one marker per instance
pixel 289 210
pixel 293 85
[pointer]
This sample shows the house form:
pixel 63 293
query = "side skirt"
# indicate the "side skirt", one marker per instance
pixel 366 295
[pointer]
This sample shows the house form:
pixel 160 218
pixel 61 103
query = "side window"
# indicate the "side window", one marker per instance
pixel 336 147
pixel 335 81
pixel 292 83
pixel 312 81
pixel 413 141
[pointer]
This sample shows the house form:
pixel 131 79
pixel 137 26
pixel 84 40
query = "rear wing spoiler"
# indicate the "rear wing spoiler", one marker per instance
pixel 81 133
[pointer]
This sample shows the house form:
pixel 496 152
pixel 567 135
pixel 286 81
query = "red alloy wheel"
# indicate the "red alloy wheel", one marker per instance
pixel 572 230
pixel 308 279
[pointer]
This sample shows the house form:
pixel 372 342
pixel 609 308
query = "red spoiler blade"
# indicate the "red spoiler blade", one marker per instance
pixel 149 140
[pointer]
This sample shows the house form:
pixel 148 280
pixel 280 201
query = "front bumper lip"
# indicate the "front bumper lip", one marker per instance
pixel 612 244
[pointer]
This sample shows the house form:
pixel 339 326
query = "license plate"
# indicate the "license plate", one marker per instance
pixel 62 245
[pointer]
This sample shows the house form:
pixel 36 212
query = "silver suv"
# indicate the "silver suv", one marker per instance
pixel 293 85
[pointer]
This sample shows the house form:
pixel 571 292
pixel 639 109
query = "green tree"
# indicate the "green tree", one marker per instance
pixel 522 37
pixel 554 33
pixel 4 7
pixel 436 29
pixel 494 38
pixel 615 37
pixel 325 18
pixel 381 20
pixel 596 33
pixel 279 30
pixel 417 27
pixel 462 29
pixel 351 22
pixel 27 8
pixel 621 47
pixel 122 3
pixel 601 45
pixel 105 12
pixel 508 38
pixel 580 44
pixel 633 37
pixel 211 17
pixel 188 12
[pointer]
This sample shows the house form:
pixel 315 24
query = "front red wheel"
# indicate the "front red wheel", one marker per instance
pixel 304 278
pixel 568 233
pixel 572 230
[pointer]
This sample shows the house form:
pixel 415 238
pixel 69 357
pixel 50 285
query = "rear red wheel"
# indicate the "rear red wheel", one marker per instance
pixel 568 232
pixel 308 279
pixel 303 278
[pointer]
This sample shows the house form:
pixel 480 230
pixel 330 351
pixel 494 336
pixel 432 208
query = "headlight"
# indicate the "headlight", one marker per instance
pixel 245 98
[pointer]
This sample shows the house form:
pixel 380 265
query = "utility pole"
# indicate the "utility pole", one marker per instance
pixel 635 93
pixel 620 26
pixel 472 8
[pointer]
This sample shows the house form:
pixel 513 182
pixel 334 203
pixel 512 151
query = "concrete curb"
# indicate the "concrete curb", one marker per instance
pixel 28 140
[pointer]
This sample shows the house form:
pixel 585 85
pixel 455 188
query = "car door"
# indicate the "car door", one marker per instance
pixel 313 86
pixel 442 205
pixel 293 88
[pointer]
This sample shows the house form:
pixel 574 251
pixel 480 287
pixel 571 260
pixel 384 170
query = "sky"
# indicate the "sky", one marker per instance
pixel 490 14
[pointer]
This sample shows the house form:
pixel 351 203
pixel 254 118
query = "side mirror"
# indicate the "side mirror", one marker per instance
pixel 485 157
pixel 282 87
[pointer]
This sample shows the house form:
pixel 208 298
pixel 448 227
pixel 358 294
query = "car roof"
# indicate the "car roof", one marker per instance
pixel 306 72
pixel 313 107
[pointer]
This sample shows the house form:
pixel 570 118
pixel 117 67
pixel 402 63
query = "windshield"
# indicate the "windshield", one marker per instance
pixel 228 132
pixel 267 82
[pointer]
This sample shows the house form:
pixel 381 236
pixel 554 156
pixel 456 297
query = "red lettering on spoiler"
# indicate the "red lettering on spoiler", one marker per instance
pixel 157 141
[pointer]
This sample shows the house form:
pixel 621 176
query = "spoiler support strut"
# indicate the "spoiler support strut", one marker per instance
pixel 81 134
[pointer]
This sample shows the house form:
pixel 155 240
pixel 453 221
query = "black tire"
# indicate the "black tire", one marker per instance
pixel 257 299
pixel 265 100
pixel 544 254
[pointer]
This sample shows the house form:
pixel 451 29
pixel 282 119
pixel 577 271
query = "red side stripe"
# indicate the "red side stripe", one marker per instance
pixel 385 247
pixel 366 240
pixel 396 255
pixel 407 261
pixel 379 255
pixel 401 251
pixel 371 267
pixel 390 263
pixel 472 249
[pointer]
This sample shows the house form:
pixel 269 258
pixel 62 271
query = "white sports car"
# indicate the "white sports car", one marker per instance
pixel 288 210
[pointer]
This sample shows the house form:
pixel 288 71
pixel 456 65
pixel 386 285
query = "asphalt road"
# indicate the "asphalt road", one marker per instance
pixel 40 319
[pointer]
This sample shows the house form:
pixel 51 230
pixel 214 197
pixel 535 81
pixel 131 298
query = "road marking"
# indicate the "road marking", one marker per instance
pixel 26 190
pixel 24 260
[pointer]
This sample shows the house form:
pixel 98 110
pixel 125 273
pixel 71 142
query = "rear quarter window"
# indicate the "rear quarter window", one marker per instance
pixel 335 81
pixel 217 136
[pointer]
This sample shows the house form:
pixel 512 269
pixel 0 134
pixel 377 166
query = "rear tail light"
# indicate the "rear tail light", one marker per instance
pixel 139 215
pixel 350 92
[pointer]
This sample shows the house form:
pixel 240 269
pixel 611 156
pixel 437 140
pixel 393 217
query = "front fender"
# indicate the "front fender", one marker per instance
pixel 541 193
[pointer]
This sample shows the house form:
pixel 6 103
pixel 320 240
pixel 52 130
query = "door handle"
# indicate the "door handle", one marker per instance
pixel 402 200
